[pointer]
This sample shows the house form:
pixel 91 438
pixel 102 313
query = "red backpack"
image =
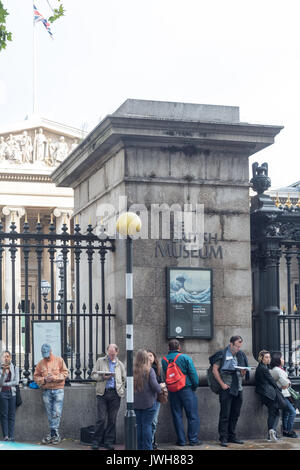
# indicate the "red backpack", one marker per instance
pixel 175 378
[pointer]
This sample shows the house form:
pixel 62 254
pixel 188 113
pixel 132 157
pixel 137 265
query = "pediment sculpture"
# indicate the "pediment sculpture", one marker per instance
pixel 35 149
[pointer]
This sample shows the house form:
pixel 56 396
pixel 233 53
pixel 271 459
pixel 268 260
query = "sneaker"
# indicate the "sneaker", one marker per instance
pixel 291 434
pixel 47 439
pixel 272 435
pixel 56 439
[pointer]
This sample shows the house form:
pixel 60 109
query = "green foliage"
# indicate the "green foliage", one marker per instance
pixel 6 36
pixel 57 13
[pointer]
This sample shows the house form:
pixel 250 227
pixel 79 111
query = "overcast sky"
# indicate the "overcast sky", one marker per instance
pixel 227 52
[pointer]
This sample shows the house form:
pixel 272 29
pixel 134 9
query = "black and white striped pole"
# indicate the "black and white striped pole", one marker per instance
pixel 129 224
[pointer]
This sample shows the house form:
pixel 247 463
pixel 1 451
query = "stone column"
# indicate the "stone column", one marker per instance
pixel 63 216
pixel 12 214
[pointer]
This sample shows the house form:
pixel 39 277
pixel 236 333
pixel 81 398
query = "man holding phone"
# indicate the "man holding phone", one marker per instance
pixel 50 375
pixel 110 376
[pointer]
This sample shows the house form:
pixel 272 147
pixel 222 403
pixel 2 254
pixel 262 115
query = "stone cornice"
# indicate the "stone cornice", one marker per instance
pixel 240 137
pixel 24 177
pixel 183 181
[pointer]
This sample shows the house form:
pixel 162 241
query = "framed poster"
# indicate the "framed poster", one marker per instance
pixel 46 331
pixel 189 303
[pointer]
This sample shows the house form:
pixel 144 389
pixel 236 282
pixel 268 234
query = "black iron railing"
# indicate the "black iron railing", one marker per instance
pixel 37 257
pixel 289 327
pixel 79 356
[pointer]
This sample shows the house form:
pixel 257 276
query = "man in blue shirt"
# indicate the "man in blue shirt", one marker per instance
pixel 185 398
pixel 224 365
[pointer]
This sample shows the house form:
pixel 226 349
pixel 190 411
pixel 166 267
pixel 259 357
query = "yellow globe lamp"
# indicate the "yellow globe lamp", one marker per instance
pixel 129 223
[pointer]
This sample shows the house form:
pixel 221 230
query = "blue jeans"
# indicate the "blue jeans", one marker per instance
pixel 7 413
pixel 155 420
pixel 144 419
pixel 273 412
pixel 54 400
pixel 185 399
pixel 288 416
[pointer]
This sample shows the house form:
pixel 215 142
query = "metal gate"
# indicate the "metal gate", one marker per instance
pixel 62 267
pixel 275 250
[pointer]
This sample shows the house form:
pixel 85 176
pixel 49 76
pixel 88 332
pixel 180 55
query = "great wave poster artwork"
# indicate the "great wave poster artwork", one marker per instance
pixel 189 303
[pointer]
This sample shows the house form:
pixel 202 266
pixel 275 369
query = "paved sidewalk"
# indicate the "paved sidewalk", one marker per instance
pixel 70 444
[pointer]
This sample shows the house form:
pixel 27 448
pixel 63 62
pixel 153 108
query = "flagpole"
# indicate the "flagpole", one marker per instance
pixel 35 78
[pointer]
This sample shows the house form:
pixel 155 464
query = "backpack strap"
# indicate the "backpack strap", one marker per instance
pixel 223 358
pixel 174 360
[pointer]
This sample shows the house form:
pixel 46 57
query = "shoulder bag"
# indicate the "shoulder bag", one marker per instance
pixel 280 400
pixel 294 398
pixel 162 397
pixel 18 396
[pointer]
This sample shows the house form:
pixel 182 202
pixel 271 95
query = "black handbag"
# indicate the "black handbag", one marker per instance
pixel 18 396
pixel 280 400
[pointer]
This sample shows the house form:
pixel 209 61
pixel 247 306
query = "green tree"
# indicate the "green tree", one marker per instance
pixel 6 36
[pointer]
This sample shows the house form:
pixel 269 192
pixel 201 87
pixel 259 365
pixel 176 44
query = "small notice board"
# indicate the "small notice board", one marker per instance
pixel 46 331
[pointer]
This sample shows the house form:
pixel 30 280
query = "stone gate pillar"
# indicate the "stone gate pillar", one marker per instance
pixel 159 153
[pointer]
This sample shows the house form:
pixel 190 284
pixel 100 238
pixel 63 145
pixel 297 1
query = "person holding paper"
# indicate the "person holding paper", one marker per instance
pixel 224 367
pixel 110 375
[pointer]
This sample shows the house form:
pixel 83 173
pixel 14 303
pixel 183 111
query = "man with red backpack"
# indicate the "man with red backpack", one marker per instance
pixel 182 380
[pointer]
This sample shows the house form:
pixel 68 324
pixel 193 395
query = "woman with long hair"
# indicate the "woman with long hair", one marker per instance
pixel 9 379
pixel 157 369
pixel 146 389
pixel 283 382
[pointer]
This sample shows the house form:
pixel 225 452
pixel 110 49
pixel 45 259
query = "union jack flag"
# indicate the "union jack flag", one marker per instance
pixel 39 17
